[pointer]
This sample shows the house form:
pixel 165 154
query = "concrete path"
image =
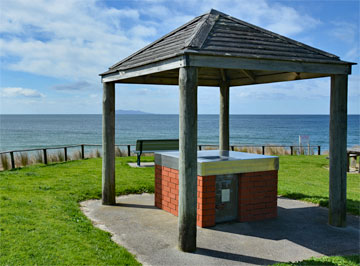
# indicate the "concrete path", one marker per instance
pixel 299 232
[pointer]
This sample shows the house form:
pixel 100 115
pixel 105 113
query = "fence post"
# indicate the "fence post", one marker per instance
pixel 232 148
pixel 65 153
pixel 129 152
pixel 319 150
pixel 199 147
pixel 45 157
pixel 12 160
pixel 263 150
pixel 291 150
pixel 82 151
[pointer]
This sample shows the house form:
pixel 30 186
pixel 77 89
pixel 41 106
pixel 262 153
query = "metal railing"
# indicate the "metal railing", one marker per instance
pixel 128 146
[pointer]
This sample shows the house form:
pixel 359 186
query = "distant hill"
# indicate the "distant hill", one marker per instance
pixel 130 112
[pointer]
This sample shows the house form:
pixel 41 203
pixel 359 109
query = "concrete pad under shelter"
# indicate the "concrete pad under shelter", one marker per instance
pixel 299 232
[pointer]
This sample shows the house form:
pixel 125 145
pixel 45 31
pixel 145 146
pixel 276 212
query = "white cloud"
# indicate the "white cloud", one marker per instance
pixel 75 86
pixel 21 92
pixel 276 17
pixel 77 40
pixel 142 31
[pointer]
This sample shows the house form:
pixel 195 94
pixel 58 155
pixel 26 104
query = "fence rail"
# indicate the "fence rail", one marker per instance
pixel 200 147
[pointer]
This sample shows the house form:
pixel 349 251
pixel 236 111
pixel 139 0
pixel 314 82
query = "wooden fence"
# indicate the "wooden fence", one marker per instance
pixel 128 146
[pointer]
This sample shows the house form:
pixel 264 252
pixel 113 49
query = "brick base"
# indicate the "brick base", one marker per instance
pixel 257 195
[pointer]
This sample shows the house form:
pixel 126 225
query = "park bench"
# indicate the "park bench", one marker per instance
pixel 155 145
pixel 352 155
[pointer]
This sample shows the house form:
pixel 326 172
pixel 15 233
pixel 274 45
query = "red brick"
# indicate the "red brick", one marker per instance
pixel 167 199
pixel 165 208
pixel 174 190
pixel 207 211
pixel 172 175
pixel 165 173
pixel 174 171
pixel 206 206
pixel 174 201
pixel 175 181
pixel 208 200
pixel 259 206
pixel 206 195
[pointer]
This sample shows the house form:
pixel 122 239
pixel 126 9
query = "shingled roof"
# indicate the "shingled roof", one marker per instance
pixel 223 37
pixel 216 33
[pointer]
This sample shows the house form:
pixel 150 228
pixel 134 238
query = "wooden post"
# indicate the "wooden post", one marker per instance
pixel 319 150
pixel 45 156
pixel 12 160
pixel 338 154
pixel 108 144
pixel 199 147
pixel 224 117
pixel 291 150
pixel 65 154
pixel 263 150
pixel 129 152
pixel 187 159
pixel 82 151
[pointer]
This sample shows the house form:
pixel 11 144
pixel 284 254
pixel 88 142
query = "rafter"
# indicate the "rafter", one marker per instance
pixel 249 74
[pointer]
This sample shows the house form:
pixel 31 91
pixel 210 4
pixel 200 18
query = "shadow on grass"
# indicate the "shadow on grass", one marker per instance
pixel 353 206
pixel 331 261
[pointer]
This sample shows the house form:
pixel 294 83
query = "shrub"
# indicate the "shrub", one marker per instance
pixel 117 152
pixel 76 155
pixel 38 157
pixel 61 156
pixel 23 158
pixel 4 162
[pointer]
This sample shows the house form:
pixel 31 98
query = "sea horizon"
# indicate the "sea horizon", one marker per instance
pixel 169 114
pixel 47 130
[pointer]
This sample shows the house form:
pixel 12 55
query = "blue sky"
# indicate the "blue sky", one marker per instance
pixel 52 52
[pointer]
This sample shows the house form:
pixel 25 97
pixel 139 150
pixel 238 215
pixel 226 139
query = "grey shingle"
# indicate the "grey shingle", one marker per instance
pixel 216 33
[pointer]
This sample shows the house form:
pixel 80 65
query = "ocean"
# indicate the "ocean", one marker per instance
pixel 33 131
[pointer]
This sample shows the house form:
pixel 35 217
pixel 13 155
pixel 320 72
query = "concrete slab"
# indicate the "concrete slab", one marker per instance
pixel 142 165
pixel 299 232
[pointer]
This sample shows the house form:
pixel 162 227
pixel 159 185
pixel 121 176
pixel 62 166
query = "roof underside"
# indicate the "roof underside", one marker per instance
pixel 221 37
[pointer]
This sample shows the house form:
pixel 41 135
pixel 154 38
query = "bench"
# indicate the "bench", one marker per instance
pixel 352 155
pixel 155 145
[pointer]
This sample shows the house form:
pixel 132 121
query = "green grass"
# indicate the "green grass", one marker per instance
pixel 41 223
pixel 307 178
pixel 40 219
pixel 326 261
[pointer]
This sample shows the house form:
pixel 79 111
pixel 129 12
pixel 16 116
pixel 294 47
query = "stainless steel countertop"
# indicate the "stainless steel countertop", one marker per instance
pixel 216 162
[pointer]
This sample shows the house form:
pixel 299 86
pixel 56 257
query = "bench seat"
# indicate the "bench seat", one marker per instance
pixel 155 145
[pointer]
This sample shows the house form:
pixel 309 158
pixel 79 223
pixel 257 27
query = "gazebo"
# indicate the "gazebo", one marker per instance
pixel 218 50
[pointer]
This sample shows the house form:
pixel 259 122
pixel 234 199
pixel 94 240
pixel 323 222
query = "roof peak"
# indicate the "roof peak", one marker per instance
pixel 268 32
pixel 220 34
pixel 215 12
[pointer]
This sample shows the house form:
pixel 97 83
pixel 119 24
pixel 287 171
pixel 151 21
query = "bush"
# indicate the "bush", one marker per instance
pixel 5 162
pixel 23 159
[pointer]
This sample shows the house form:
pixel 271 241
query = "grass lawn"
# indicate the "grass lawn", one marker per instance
pixel 41 223
pixel 307 178
pixel 326 261
pixel 40 219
